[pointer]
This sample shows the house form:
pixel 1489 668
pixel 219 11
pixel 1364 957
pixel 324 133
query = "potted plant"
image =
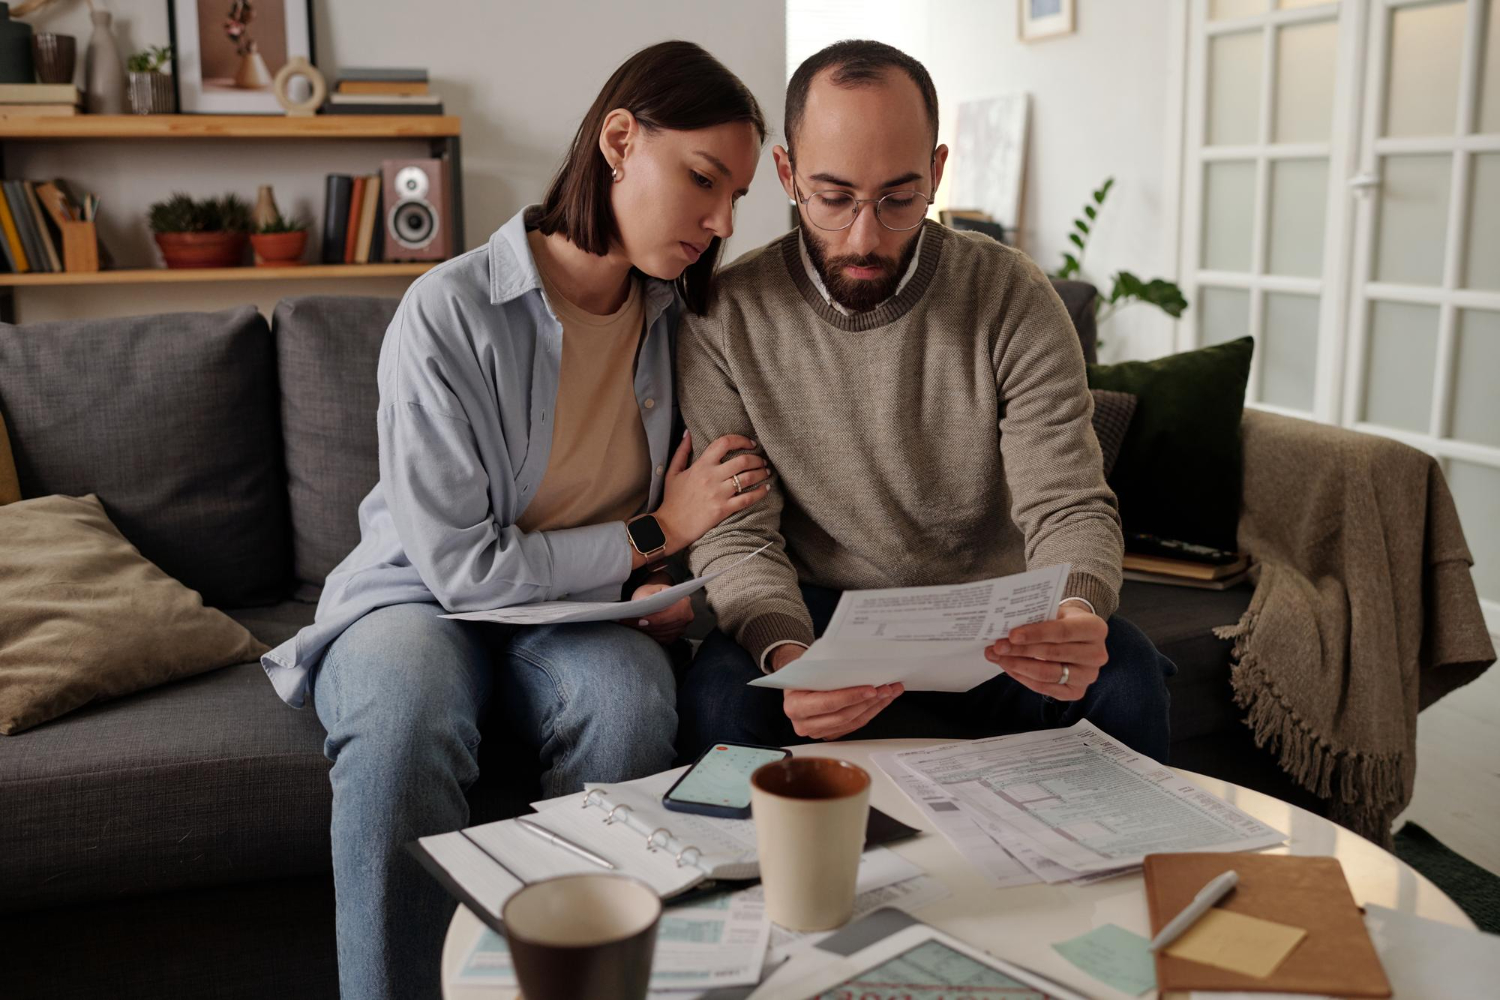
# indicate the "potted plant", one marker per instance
pixel 207 233
pixel 279 242
pixel 150 88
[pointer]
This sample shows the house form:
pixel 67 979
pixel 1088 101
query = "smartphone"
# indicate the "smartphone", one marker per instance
pixel 718 783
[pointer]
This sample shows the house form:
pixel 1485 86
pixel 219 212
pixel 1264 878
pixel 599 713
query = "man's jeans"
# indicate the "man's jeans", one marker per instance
pixel 401 693
pixel 1128 701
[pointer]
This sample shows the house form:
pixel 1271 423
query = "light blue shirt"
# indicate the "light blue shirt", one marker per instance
pixel 468 379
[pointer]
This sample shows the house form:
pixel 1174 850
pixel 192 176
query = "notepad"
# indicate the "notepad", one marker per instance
pixel 1228 940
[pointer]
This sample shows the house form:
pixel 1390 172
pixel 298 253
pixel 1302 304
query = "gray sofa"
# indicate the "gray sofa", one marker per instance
pixel 175 843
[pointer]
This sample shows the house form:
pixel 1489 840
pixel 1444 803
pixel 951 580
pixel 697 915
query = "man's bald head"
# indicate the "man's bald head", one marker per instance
pixel 856 63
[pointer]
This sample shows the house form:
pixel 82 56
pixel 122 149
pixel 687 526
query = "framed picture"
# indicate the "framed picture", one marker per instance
pixel 1045 18
pixel 226 53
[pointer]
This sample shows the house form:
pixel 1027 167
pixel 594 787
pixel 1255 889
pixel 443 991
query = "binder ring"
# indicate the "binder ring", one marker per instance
pixel 698 855
pixel 588 800
pixel 651 840
pixel 611 817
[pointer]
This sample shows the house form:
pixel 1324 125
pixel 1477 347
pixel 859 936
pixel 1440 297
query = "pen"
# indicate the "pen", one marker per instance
pixel 1201 904
pixel 564 843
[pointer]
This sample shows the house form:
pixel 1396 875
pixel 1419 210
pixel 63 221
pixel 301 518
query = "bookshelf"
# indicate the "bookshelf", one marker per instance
pixel 441 133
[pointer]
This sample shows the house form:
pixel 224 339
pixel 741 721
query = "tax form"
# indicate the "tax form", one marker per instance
pixel 927 638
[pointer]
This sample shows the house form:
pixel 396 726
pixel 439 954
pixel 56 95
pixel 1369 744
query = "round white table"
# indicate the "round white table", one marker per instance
pixel 1022 923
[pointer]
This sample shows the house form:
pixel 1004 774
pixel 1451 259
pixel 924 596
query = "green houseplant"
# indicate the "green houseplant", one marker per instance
pixel 207 233
pixel 279 242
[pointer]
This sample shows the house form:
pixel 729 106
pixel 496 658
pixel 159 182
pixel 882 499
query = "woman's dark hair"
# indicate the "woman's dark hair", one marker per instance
pixel 670 85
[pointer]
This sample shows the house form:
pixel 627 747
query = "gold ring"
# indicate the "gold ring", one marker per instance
pixel 1063 680
pixel 737 487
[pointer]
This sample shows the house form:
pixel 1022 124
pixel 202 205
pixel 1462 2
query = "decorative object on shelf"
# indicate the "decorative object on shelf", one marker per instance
pixel 55 56
pixel 207 233
pixel 1044 19
pixel 367 90
pixel 266 211
pixel 229 53
pixel 298 69
pixel 150 88
pixel 15 49
pixel 103 73
pixel 1125 288
pixel 416 209
pixel 988 167
pixel 279 242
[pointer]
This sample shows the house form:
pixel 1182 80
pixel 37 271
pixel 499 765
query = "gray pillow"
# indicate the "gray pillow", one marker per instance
pixel 1112 413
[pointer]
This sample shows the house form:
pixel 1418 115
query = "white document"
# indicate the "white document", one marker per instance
pixel 956 824
pixel 927 638
pixel 1425 958
pixel 564 612
pixel 470 867
pixel 910 895
pixel 1085 800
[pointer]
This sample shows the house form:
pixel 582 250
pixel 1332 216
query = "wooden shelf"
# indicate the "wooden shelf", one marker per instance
pixel 162 275
pixel 230 127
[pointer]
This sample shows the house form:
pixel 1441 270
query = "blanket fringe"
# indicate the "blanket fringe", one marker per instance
pixel 1365 791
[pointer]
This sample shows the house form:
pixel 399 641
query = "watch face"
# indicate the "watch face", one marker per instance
pixel 646 535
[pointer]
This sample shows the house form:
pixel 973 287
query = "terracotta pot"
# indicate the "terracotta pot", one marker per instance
pixel 201 249
pixel 279 249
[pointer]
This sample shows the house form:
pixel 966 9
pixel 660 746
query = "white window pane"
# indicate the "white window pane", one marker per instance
pixel 1234 88
pixel 1482 258
pixel 1220 9
pixel 1228 214
pixel 1421 92
pixel 1413 218
pixel 1289 350
pixel 1305 57
pixel 1299 197
pixel 1289 4
pixel 1476 406
pixel 1489 88
pixel 1402 357
pixel 1223 314
pixel 1476 493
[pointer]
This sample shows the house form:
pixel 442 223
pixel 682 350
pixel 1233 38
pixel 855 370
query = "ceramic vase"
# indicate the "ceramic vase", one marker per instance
pixel 15 49
pixel 104 73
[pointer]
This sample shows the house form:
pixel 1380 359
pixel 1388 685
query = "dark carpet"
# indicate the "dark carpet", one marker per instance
pixel 1475 889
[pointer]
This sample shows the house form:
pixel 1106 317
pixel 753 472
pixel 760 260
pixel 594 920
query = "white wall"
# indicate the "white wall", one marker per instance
pixel 519 74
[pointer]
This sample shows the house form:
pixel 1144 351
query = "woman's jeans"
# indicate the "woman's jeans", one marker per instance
pixel 401 693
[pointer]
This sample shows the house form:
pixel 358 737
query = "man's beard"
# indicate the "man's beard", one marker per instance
pixel 859 294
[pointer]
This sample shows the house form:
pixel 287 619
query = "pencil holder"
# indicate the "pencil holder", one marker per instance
pixel 80 246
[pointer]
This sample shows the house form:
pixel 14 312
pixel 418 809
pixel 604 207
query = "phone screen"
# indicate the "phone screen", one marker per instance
pixel 722 776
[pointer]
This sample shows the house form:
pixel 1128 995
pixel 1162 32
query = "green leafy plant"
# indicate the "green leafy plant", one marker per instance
pixel 182 214
pixel 149 60
pixel 1125 288
pixel 281 224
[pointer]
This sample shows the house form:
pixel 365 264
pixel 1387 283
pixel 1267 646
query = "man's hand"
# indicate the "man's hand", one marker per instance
pixel 827 715
pixel 668 624
pixel 1040 655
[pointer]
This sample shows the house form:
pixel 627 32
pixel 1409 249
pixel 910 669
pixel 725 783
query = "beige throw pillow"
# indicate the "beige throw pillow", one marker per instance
pixel 85 617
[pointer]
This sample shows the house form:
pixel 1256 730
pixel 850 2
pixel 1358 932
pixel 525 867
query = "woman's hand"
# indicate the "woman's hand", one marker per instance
pixel 699 496
pixel 668 624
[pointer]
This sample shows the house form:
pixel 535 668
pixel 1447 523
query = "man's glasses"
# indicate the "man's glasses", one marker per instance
pixel 831 210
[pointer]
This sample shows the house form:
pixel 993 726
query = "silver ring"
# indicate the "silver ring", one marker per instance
pixel 611 817
pixel 588 799
pixel 1063 680
pixel 698 854
pixel 651 844
pixel 737 487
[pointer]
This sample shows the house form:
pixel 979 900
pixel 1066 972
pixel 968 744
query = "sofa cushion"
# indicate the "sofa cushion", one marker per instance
pixel 172 421
pixel 1180 621
pixel 327 350
pixel 1078 298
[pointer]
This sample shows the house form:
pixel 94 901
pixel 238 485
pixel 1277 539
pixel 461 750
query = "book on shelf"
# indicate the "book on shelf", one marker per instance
pixel 39 93
pixel 384 74
pixel 1223 583
pixel 1183 568
pixel 20 211
pixel 336 192
pixel 356 209
pixel 367 220
pixel 393 88
pixel 15 252
pixel 382 104
pixel 39 111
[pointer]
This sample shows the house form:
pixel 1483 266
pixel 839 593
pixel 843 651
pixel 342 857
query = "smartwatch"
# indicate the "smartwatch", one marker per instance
pixel 646 536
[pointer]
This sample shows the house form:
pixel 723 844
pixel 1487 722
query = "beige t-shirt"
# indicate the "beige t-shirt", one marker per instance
pixel 600 467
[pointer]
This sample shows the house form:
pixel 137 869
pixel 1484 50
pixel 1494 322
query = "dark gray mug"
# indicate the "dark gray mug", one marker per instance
pixel 582 936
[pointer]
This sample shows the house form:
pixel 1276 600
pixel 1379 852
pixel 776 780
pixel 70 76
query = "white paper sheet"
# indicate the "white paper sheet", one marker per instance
pixel 927 638
pixel 470 867
pixel 1425 958
pixel 910 895
pixel 564 612
pixel 1085 800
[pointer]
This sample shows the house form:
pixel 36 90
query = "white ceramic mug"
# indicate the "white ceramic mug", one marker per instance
pixel 810 816
pixel 582 936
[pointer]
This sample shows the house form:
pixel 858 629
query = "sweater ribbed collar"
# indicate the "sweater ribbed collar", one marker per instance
pixel 933 239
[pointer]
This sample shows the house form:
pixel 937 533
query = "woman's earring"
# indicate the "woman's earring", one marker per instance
pixel 614 175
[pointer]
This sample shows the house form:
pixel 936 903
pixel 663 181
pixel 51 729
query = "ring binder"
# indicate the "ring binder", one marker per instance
pixel 588 799
pixel 651 844
pixel 698 855
pixel 610 819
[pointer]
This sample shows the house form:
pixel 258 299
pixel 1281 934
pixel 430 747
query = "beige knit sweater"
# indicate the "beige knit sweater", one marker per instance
pixel 942 437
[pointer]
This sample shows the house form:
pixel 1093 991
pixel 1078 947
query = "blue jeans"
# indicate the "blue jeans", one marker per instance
pixel 1128 701
pixel 401 693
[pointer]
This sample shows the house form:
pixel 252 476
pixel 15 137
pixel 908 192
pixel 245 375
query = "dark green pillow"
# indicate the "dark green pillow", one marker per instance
pixel 1178 474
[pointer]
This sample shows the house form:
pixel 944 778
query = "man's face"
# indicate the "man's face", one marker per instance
pixel 866 142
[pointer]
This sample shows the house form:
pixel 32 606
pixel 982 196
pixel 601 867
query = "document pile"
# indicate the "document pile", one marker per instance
pixel 1064 805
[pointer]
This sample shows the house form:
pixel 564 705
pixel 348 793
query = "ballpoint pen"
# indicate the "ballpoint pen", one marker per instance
pixel 564 843
pixel 1201 904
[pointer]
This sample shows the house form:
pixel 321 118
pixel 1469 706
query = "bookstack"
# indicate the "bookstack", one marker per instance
pixel 1186 572
pixel 45 229
pixel 35 100
pixel 352 229
pixel 373 91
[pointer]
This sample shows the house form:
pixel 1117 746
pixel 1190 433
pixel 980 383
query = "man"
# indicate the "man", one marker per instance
pixel 921 395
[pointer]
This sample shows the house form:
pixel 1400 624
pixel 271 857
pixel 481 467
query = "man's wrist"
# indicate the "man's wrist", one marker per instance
pixel 1079 600
pixel 770 662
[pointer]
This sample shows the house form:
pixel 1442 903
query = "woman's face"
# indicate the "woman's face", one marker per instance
pixel 677 191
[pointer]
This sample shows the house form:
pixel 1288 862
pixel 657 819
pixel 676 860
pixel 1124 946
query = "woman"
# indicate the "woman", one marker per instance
pixel 524 424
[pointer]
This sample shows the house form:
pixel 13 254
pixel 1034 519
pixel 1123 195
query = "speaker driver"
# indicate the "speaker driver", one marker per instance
pixel 413 223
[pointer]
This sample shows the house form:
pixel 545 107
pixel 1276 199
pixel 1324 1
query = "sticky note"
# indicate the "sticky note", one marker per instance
pixel 1247 945
pixel 1114 956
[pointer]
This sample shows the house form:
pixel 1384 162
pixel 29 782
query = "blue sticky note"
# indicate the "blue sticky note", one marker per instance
pixel 1114 956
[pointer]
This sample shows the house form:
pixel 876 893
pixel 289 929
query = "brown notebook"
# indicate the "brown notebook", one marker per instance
pixel 1336 958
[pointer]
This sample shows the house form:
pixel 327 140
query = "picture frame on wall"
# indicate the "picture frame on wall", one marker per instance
pixel 1044 19
pixel 226 53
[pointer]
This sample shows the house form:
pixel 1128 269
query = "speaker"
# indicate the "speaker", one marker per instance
pixel 416 210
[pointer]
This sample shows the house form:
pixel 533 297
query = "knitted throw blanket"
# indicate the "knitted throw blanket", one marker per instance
pixel 1364 610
